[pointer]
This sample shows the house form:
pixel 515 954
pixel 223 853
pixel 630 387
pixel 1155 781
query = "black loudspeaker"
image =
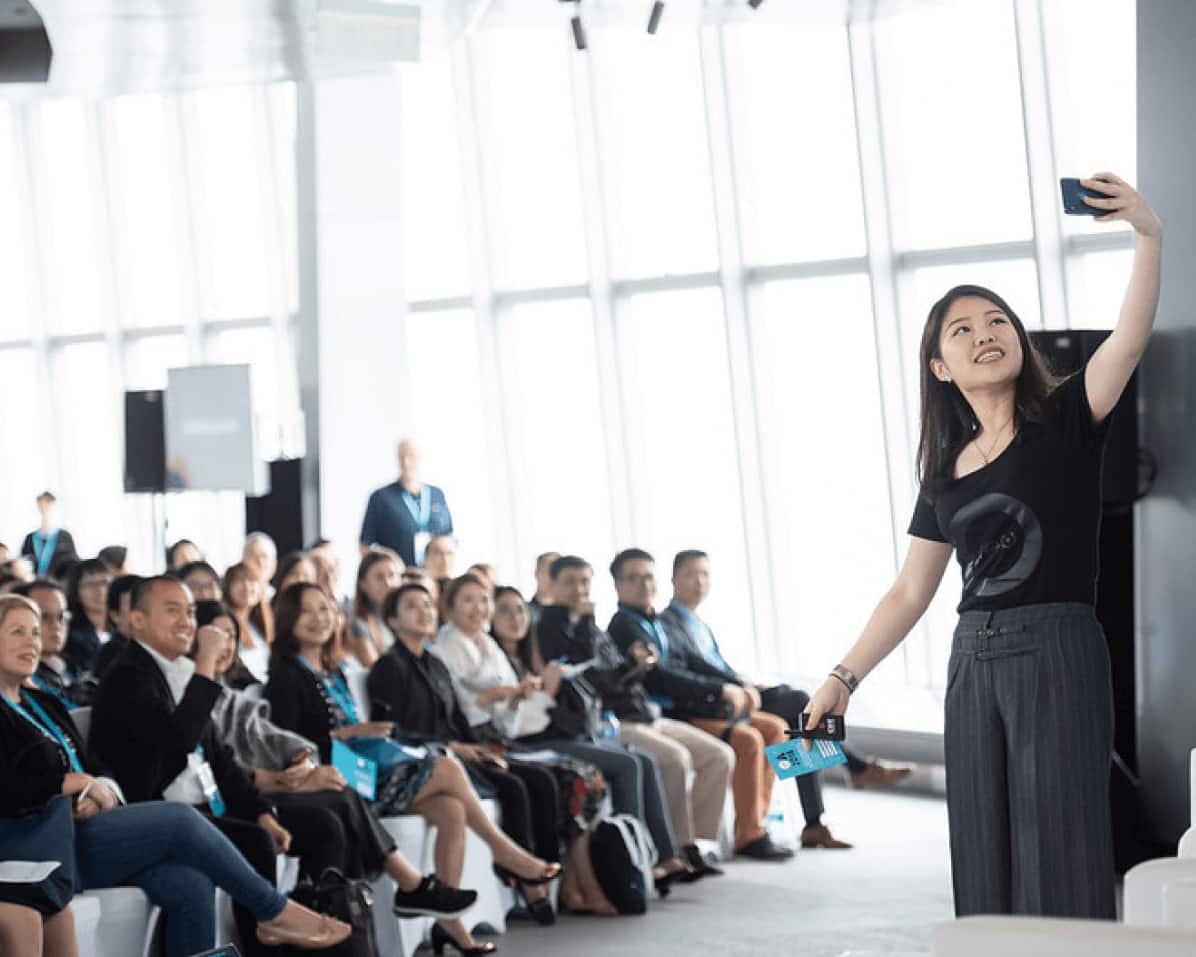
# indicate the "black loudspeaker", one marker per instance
pixel 25 52
pixel 1067 352
pixel 280 513
pixel 145 442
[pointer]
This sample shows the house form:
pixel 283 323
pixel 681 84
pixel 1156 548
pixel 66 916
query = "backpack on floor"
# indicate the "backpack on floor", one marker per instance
pixel 622 854
pixel 345 899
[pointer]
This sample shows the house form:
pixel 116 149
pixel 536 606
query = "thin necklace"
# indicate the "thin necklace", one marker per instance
pixel 1001 431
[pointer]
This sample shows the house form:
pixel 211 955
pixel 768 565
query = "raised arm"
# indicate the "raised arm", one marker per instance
pixel 897 613
pixel 1114 362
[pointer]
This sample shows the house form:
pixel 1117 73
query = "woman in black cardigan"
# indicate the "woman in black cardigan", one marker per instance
pixel 168 850
pixel 308 694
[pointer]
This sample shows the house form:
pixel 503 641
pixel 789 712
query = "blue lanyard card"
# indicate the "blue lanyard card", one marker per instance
pixel 361 773
pixel 790 759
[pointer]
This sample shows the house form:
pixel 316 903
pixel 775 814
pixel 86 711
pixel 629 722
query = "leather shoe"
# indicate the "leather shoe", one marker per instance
pixel 819 835
pixel 303 929
pixel 877 775
pixel 763 849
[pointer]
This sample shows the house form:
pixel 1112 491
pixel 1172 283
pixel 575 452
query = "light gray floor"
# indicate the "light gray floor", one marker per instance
pixel 885 895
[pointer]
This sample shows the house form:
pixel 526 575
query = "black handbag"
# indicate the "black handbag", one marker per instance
pixel 48 835
pixel 345 899
pixel 578 711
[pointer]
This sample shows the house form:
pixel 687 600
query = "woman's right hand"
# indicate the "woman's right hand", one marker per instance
pixel 831 698
pixel 74 781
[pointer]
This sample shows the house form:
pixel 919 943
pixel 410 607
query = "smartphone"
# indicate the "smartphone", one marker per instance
pixel 1073 198
pixel 830 728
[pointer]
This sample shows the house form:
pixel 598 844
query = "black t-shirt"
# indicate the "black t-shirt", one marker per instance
pixel 1025 526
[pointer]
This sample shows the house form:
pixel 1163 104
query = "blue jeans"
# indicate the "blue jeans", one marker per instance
pixel 179 859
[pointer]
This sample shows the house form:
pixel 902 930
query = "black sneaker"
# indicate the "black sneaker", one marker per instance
pixel 433 899
pixel 763 849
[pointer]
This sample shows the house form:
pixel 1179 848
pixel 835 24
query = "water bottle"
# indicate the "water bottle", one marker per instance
pixel 775 825
pixel 610 727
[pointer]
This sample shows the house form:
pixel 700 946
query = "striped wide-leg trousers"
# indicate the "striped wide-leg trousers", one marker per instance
pixel 1029 740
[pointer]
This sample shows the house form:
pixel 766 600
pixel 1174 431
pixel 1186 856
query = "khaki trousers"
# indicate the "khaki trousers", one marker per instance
pixel 679 749
pixel 753 778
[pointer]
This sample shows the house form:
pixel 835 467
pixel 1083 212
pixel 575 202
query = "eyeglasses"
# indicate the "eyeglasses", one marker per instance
pixel 639 579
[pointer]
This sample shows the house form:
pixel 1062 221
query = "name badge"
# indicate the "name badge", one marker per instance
pixel 207 783
pixel 421 546
pixel 790 759
pixel 361 773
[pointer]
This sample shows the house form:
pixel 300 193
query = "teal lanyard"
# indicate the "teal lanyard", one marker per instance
pixel 50 689
pixel 46 726
pixel 338 690
pixel 421 513
pixel 655 631
pixel 45 554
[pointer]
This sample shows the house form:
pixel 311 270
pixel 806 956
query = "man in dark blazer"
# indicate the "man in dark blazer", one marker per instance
pixel 50 549
pixel 151 726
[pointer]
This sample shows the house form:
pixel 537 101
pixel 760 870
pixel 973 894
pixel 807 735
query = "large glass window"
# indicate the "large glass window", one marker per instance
pixel 23 438
pixel 448 420
pixel 530 153
pixel 831 531
pixel 685 480
pixel 70 191
pixel 233 250
pixel 559 460
pixel 435 254
pixel 1097 286
pixel 147 200
pixel 14 297
pixel 797 169
pixel 654 136
pixel 950 101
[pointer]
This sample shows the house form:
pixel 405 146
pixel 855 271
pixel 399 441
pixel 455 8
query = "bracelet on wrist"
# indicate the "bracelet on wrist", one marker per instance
pixel 846 676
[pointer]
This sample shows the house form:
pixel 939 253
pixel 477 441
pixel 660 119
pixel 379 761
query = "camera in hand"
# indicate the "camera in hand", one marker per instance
pixel 830 728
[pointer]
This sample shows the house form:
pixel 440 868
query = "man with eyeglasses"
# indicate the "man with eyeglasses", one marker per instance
pixel 53 674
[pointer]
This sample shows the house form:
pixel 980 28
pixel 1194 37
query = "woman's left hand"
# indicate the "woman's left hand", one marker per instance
pixel 278 834
pixel 1124 202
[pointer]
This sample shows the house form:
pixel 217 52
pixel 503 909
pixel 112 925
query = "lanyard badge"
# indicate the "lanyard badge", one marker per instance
pixel 207 781
pixel 45 724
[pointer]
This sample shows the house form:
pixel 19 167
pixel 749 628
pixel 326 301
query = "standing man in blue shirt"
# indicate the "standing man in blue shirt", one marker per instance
pixel 407 514
pixel 50 548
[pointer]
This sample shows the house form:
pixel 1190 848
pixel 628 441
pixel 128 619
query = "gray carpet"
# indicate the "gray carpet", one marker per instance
pixel 885 895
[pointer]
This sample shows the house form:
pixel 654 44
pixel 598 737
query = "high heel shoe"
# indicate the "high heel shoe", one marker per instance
pixel 323 931
pixel 538 910
pixel 441 938
pixel 510 878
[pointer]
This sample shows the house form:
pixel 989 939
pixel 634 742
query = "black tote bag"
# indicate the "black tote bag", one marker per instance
pixel 48 835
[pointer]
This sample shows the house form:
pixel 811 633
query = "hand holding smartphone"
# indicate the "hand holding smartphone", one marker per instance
pixel 1073 198
pixel 831 728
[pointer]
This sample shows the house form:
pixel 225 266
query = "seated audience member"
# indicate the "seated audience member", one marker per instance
pixel 243 593
pixel 633 776
pixel 330 823
pixel 260 554
pixel 328 567
pixel 120 596
pixel 50 548
pixel 152 726
pixel 543 596
pixel 168 850
pixel 567 632
pixel 116 557
pixel 294 567
pixel 690 691
pixel 203 580
pixel 691 585
pixel 440 557
pixel 378 575
pixel 28 932
pixel 183 552
pixel 415 575
pixel 414 690
pixel 19 568
pixel 54 676
pixel 316 704
pixel 230 669
pixel 87 600
pixel 8 583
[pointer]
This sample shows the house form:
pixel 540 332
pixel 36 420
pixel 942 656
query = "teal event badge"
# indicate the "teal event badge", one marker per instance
pixel 790 759
pixel 361 773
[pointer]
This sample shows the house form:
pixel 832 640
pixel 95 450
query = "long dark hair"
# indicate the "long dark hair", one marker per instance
pixel 948 422
pixel 74 603
pixel 237 676
pixel 361 601
pixel 288 606
pixel 528 648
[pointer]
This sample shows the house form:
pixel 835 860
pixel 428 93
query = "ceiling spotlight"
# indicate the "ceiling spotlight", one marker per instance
pixel 579 32
pixel 755 4
pixel 657 13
